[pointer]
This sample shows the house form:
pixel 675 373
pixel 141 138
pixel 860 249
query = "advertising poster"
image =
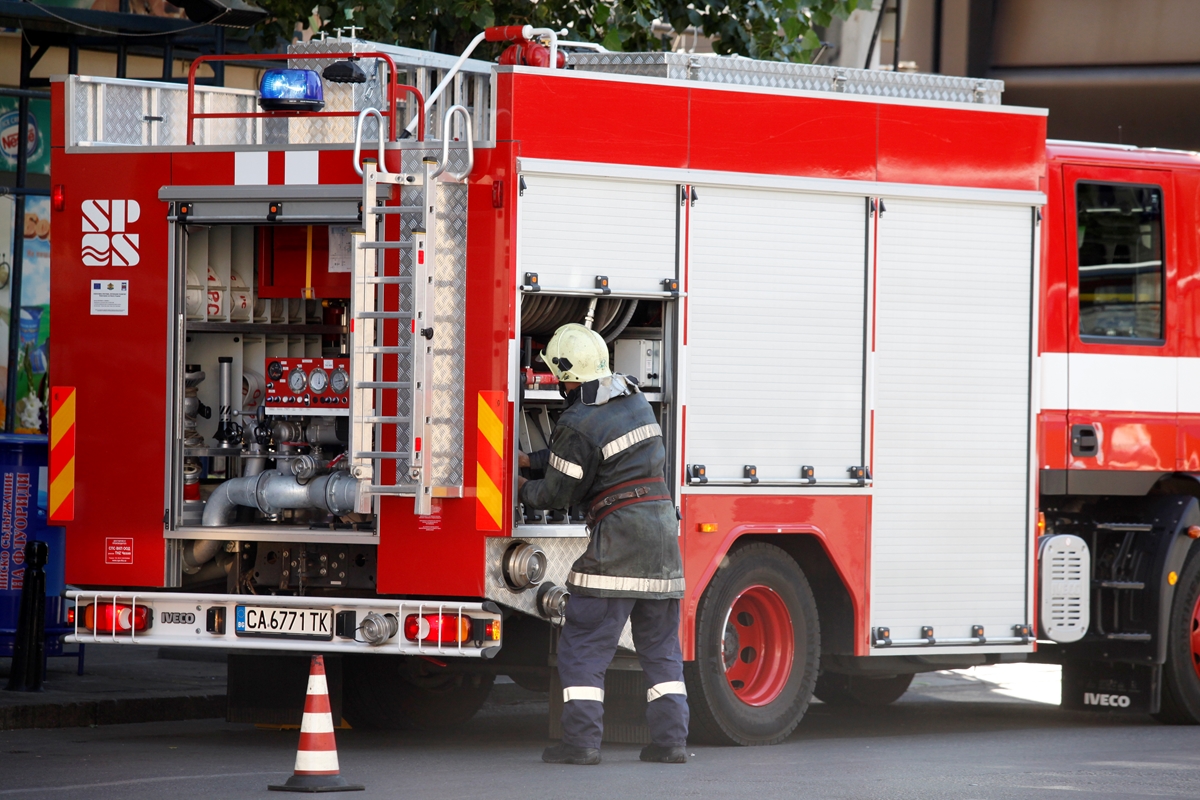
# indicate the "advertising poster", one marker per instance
pixel 37 137
pixel 33 329
pixel 33 234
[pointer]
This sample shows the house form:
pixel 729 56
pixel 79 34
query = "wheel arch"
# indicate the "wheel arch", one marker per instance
pixel 839 613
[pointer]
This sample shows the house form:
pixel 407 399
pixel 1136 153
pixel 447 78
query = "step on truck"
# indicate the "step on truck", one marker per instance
pixel 927 381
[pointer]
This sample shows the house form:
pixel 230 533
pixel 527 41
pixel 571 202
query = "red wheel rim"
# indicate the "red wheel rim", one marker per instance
pixel 1195 637
pixel 759 647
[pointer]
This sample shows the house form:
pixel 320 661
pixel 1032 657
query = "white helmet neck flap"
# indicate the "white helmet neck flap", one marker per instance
pixel 577 354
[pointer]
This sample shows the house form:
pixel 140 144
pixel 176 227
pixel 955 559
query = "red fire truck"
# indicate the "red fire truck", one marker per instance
pixel 925 378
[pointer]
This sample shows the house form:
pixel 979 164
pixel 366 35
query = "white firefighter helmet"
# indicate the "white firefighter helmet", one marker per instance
pixel 577 354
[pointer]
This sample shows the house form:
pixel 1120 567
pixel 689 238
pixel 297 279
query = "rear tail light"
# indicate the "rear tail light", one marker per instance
pixel 437 628
pixel 116 618
pixel 71 615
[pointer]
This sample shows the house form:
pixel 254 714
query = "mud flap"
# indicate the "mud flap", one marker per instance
pixel 1111 687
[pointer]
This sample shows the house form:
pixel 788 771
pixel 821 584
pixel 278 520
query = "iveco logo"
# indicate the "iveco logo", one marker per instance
pixel 105 239
pixel 177 618
pixel 1111 700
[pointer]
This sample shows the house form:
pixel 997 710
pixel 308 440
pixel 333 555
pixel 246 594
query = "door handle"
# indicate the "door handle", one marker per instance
pixel 1084 442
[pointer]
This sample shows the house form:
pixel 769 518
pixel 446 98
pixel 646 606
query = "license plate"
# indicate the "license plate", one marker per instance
pixel 301 623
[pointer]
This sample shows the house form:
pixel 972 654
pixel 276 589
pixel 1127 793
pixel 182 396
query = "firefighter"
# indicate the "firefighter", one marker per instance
pixel 607 452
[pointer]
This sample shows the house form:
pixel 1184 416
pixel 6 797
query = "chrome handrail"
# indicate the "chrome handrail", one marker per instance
pixel 362 115
pixel 458 176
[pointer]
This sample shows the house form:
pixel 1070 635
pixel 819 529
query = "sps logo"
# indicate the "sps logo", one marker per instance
pixel 105 239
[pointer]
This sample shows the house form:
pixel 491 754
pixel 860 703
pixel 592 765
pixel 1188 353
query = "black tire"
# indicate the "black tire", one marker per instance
pixel 1181 672
pixel 395 693
pixel 718 714
pixel 866 691
pixel 532 681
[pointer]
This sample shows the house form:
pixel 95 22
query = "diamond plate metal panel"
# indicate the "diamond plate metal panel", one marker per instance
pixel 449 240
pixel 785 75
pixel 83 117
pixel 125 110
pixel 561 552
pixel 449 324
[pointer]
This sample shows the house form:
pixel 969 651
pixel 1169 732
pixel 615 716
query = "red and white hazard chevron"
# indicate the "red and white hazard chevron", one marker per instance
pixel 316 758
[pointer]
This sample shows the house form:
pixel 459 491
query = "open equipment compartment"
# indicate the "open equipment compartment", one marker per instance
pixel 605 253
pixel 259 399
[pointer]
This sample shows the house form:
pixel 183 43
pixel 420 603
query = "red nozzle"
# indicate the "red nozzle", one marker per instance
pixel 504 33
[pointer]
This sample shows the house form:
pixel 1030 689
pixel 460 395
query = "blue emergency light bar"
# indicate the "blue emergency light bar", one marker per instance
pixel 291 90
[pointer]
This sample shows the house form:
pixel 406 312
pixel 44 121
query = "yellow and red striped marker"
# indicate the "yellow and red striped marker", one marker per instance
pixel 489 463
pixel 316 758
pixel 62 454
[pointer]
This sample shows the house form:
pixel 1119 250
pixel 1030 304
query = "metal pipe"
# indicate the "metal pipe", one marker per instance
pixel 257 464
pixel 218 567
pixel 200 552
pixel 550 34
pixel 324 431
pixel 18 256
pixel 225 392
pixel 274 490
pixel 875 34
pixel 32 94
pixel 441 87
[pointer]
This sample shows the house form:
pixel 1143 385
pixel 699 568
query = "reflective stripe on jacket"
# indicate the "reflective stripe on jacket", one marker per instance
pixel 633 551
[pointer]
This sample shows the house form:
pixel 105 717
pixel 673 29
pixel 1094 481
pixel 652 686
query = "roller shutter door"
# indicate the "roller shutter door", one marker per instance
pixel 950 526
pixel 774 357
pixel 571 229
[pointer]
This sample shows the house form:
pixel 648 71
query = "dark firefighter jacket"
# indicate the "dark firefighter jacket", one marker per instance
pixel 609 436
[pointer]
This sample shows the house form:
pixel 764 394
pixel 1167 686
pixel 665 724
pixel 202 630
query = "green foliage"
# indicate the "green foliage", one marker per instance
pixel 782 30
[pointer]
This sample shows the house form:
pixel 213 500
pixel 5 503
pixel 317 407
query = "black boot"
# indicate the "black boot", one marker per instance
pixel 567 754
pixel 664 754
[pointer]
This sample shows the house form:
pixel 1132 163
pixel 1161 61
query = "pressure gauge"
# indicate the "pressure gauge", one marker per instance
pixel 318 380
pixel 274 370
pixel 297 380
pixel 339 381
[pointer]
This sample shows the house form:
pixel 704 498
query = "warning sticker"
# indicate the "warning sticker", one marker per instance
pixel 118 550
pixel 110 298
pixel 433 522
pixel 341 249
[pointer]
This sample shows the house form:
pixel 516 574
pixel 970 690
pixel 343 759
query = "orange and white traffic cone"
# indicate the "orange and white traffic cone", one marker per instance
pixel 316 758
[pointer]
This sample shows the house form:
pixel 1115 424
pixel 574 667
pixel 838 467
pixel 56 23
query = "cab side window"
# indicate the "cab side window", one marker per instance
pixel 1120 240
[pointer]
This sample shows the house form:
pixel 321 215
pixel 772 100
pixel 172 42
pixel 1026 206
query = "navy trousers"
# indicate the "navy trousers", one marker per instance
pixel 586 646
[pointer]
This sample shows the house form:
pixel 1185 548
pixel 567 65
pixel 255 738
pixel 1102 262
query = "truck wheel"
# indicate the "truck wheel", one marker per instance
pixel 868 691
pixel 1181 673
pixel 758 646
pixel 393 693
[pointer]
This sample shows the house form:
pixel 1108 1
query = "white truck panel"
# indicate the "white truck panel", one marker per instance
pixel 572 229
pixel 952 365
pixel 776 303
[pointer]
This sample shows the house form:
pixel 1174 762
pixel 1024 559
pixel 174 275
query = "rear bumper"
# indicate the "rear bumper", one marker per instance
pixel 183 620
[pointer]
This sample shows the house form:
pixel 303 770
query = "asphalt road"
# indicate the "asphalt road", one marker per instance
pixel 955 735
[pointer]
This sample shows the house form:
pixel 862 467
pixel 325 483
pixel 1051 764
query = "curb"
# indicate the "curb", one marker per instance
pixel 112 712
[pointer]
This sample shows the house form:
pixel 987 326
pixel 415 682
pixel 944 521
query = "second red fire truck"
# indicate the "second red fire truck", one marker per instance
pixel 927 379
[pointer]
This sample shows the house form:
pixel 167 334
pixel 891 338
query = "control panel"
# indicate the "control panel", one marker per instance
pixel 308 386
